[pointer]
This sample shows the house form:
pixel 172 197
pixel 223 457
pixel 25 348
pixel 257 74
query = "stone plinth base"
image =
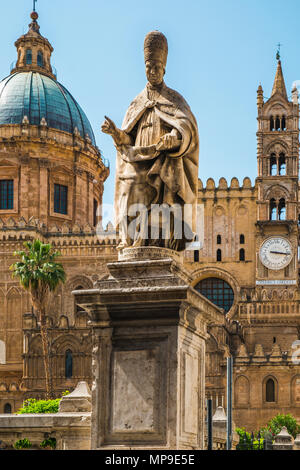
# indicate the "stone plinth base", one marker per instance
pixel 149 253
pixel 149 332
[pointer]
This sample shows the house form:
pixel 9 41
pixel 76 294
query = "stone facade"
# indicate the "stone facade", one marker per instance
pixel 264 315
pixel 35 158
pixel 262 321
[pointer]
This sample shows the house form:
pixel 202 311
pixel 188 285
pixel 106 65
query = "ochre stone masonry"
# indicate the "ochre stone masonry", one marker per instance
pixel 262 318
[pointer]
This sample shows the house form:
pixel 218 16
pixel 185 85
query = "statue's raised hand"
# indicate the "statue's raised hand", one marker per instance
pixel 109 127
pixel 119 136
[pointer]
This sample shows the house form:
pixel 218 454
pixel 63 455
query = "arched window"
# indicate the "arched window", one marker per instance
pixel 277 124
pixel 219 255
pixel 242 254
pixel 270 391
pixel 296 389
pixel 282 165
pixel 272 123
pixel 7 408
pixel 40 59
pixel 68 364
pixel 273 210
pixel 283 123
pixel 28 57
pixel 273 165
pixel 219 240
pixel 281 210
pixel 218 291
pixel 242 239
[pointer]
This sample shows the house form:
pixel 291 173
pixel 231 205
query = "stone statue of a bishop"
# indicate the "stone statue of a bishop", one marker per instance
pixel 157 160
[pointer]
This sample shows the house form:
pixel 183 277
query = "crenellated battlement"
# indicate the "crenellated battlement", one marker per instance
pixel 224 186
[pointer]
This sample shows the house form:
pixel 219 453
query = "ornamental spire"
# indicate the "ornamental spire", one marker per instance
pixel 279 84
pixel 34 51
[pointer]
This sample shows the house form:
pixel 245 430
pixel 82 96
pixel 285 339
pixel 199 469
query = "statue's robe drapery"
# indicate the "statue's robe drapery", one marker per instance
pixel 158 177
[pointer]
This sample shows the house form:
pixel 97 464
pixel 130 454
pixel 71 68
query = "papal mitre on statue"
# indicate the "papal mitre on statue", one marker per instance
pixel 156 47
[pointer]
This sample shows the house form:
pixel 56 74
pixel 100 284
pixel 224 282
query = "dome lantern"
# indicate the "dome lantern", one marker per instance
pixel 34 51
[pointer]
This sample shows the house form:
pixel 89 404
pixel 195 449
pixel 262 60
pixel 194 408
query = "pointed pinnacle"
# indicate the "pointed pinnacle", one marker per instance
pixel 279 84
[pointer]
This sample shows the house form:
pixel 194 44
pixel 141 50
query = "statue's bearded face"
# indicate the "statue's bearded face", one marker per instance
pixel 155 71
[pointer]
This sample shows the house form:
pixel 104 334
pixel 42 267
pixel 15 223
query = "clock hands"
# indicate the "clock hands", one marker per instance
pixel 280 253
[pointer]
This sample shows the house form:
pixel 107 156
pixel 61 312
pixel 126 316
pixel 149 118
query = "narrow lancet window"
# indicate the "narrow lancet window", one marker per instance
pixel 282 165
pixel 270 391
pixel 68 364
pixel 281 210
pixel 273 210
pixel 273 165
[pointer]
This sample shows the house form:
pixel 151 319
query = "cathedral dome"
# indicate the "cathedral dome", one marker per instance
pixel 40 98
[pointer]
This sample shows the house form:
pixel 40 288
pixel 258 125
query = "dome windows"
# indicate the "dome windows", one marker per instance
pixel 28 57
pixel 40 59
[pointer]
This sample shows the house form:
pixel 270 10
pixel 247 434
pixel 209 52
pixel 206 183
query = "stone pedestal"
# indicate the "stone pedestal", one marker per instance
pixel 77 401
pixel 149 332
pixel 283 440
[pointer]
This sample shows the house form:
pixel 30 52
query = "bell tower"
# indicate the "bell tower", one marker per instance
pixel 277 184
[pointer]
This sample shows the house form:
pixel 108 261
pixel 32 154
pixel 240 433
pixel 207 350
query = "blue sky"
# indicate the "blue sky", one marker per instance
pixel 219 51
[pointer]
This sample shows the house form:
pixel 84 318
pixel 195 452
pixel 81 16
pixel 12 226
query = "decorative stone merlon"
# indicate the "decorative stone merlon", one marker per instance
pixel 297 442
pixel 283 440
pixel 220 418
pixel 78 401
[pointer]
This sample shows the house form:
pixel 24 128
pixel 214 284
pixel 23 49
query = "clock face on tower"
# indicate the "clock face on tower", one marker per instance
pixel 276 253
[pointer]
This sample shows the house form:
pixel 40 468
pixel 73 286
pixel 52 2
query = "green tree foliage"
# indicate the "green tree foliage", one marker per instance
pixel 22 444
pixel 40 274
pixel 273 428
pixel 33 406
pixel 279 421
pixel 50 442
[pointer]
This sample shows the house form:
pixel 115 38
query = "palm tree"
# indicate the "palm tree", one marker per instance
pixel 40 274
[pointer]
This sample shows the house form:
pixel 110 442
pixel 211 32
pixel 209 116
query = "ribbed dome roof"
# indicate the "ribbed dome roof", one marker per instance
pixel 38 96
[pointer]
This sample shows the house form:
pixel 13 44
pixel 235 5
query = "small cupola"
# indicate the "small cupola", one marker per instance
pixel 34 51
